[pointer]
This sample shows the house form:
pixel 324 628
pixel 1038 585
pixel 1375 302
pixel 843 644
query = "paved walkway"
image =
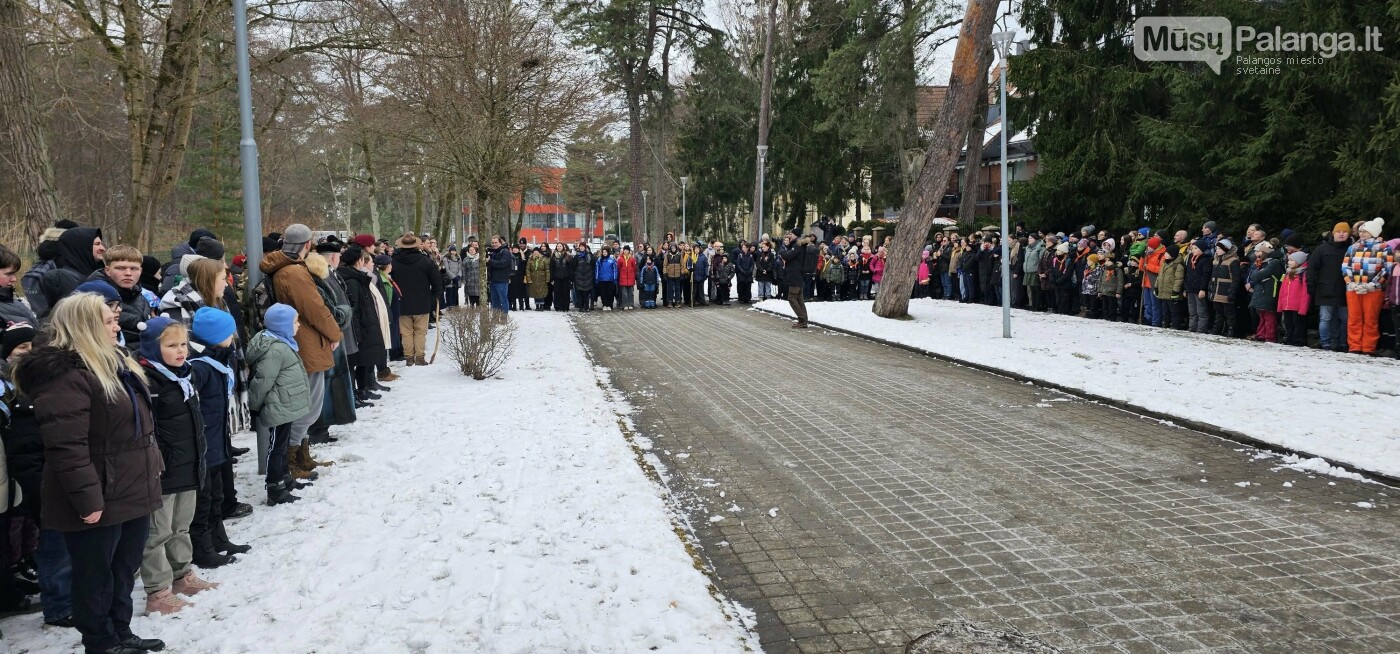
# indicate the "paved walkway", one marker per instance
pixel 911 492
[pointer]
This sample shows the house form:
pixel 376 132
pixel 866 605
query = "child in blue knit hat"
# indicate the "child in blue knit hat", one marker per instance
pixel 212 333
pixel 278 393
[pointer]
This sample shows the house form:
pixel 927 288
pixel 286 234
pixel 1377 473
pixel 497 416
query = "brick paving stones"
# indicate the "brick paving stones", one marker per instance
pixel 855 495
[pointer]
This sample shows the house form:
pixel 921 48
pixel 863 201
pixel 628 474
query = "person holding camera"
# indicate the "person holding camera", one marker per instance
pixel 799 260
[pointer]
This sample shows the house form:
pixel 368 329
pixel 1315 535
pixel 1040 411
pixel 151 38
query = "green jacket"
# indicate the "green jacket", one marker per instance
pixel 278 390
pixel 1171 280
pixel 1110 280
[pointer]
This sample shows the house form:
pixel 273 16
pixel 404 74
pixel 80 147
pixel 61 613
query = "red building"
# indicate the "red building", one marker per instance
pixel 548 218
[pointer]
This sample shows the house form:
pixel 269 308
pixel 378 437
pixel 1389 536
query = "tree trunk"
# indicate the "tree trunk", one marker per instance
pixel 765 111
pixel 32 168
pixel 972 172
pixel 949 131
pixel 634 160
pixel 373 191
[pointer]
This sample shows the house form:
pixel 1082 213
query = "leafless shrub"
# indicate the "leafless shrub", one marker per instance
pixel 479 339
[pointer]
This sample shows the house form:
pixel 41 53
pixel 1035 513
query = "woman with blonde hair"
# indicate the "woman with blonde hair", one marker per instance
pixel 101 466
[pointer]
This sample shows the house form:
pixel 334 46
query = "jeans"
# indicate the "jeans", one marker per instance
pixel 965 287
pixel 105 561
pixel 809 287
pixel 947 281
pixel 765 290
pixel 1151 313
pixel 1332 327
pixel 499 296
pixel 673 290
pixel 624 296
pixel 316 381
pixel 864 290
pixel 55 575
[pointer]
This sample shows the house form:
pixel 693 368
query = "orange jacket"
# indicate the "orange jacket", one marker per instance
pixel 1152 265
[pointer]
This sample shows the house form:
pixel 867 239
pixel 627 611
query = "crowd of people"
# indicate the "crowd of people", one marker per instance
pixel 1261 288
pixel 123 379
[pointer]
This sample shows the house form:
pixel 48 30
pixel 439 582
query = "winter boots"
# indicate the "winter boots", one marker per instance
pixel 304 458
pixel 278 493
pixel 191 584
pixel 164 602
pixel 208 556
pixel 388 376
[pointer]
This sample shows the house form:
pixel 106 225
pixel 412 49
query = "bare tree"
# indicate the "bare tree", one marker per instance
pixel 968 80
pixel 765 108
pixel 27 147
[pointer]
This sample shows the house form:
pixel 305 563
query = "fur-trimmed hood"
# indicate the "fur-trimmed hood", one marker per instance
pixel 42 366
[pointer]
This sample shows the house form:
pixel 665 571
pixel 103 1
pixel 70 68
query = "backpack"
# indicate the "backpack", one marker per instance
pixel 261 299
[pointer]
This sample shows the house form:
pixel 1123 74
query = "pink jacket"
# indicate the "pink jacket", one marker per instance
pixel 923 271
pixel 877 269
pixel 1293 292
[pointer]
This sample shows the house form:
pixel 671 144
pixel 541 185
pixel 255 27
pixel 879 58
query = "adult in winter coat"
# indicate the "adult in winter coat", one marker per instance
pixel 519 291
pixel 1199 266
pixel 12 310
pixel 1226 284
pixel 605 278
pixel 1366 269
pixel 499 266
pixel 673 270
pixel 799 255
pixel 699 274
pixel 583 274
pixel 471 274
pixel 101 465
pixel 80 253
pixel 561 277
pixel 1328 288
pixel 47 252
pixel 764 272
pixel 537 279
pixel 371 318
pixel 451 278
pixel 419 282
pixel 171 274
pixel 1030 270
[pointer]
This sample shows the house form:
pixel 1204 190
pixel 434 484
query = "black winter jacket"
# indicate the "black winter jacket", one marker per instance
pixel 179 432
pixel 366 320
pixel 75 263
pixel 798 261
pixel 212 387
pixel 498 265
pixel 420 283
pixel 1326 286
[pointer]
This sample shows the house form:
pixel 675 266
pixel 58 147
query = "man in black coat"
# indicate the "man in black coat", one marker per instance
pixel 799 256
pixel 1328 289
pixel 420 286
pixel 584 274
pixel 500 264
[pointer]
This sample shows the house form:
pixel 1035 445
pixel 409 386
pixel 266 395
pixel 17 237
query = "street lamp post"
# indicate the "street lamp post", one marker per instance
pixel 685 180
pixel 248 159
pixel 645 231
pixel 758 224
pixel 617 216
pixel 1003 41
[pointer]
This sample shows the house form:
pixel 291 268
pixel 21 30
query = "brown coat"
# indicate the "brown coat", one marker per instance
pixel 98 454
pixel 292 283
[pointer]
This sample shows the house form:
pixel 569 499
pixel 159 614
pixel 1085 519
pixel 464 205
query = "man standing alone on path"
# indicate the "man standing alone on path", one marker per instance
pixel 319 335
pixel 420 287
pixel 499 264
pixel 799 254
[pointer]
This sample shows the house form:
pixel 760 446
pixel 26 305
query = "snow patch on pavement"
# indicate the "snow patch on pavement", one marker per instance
pixel 1232 384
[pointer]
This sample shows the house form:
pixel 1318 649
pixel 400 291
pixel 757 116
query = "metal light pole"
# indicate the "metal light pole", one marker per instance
pixel 618 217
pixel 684 181
pixel 758 224
pixel 645 229
pixel 248 160
pixel 1003 41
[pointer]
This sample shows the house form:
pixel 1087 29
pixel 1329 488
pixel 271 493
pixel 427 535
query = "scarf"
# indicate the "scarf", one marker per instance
pixel 186 386
pixel 227 372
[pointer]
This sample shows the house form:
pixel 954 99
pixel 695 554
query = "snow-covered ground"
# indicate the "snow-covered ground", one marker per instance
pixel 1342 407
pixel 500 516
